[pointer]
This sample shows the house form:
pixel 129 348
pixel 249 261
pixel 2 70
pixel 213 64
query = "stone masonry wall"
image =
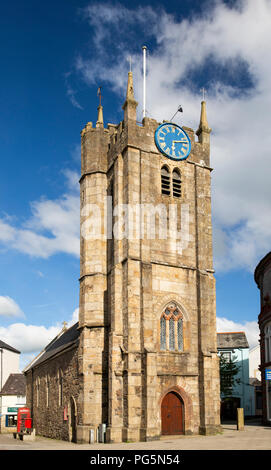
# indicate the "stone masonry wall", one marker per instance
pixel 48 415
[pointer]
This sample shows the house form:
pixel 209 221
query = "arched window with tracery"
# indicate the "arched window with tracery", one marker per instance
pixel 171 328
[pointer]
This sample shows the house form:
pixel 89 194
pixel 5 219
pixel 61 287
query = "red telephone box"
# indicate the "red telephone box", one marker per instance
pixel 24 422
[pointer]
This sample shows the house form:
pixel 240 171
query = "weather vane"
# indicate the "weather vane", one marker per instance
pixel 179 110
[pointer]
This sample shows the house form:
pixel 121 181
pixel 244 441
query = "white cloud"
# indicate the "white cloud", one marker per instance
pixel 74 317
pixel 52 228
pixel 76 154
pixel 72 176
pixel 71 92
pixel 30 340
pixel 251 329
pixel 7 232
pixel 9 308
pixel 234 43
pixel 230 46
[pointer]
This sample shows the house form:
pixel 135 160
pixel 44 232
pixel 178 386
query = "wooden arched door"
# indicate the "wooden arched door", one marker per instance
pixel 172 414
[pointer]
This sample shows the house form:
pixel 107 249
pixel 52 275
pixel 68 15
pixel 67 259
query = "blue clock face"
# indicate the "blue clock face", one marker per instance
pixel 172 141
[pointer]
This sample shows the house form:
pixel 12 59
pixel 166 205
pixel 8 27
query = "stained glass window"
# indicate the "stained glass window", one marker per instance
pixel 180 334
pixel 171 329
pixel 163 333
pixel 171 334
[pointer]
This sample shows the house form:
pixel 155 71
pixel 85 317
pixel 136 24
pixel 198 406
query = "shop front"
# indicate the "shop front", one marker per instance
pixel 10 419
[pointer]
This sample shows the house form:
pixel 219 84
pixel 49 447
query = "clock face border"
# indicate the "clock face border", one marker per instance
pixel 162 151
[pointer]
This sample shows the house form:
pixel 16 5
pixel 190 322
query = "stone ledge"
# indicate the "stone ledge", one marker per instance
pixel 176 374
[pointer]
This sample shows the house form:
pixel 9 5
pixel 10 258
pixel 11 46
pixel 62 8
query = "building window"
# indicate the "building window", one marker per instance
pixel 60 387
pixel 171 329
pixel 171 334
pixel 267 338
pixel 226 356
pixel 180 334
pixel 21 400
pixel 169 187
pixel 11 421
pixel 165 180
pixel 163 338
pixel 38 390
pixel 47 390
pixel 176 183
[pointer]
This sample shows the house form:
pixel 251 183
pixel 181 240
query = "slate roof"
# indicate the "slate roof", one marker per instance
pixel 15 385
pixel 232 340
pixel 62 341
pixel 7 346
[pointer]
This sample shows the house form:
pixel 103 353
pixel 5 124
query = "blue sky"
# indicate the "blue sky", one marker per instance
pixel 54 55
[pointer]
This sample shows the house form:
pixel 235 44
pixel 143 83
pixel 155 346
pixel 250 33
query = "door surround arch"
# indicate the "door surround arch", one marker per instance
pixel 72 413
pixel 187 407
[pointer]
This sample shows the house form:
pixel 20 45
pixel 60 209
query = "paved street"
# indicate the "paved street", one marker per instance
pixel 254 437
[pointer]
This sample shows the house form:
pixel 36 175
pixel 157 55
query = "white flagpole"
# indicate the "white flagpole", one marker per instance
pixel 144 48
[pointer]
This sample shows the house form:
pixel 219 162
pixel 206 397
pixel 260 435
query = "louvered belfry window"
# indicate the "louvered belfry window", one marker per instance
pixel 165 181
pixel 171 185
pixel 176 183
pixel 171 329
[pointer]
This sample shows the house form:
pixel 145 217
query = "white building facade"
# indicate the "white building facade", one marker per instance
pixel 12 387
pixel 254 363
pixel 9 362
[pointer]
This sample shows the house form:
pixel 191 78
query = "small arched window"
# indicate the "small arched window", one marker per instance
pixel 38 390
pixel 165 180
pixel 47 390
pixel 60 387
pixel 176 183
pixel 171 329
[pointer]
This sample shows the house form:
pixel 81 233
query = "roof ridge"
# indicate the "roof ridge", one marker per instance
pixel 230 332
pixel 49 348
pixel 7 346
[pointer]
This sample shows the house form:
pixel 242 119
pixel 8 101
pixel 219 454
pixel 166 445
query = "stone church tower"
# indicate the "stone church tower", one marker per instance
pixel 147 352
